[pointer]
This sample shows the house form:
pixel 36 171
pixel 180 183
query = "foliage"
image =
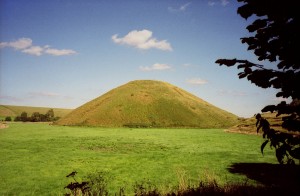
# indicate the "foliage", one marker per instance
pixel 13 111
pixel 286 145
pixel 274 38
pixel 24 117
pixel 202 188
pixel 145 188
pixel 8 118
pixel 95 184
pixel 76 188
pixel 37 117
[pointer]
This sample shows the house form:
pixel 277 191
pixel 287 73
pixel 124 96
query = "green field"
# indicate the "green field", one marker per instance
pixel 35 158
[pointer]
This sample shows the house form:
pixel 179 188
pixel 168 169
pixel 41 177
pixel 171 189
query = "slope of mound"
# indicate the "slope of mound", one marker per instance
pixel 146 103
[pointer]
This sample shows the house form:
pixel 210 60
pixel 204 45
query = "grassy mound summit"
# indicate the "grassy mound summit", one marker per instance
pixel 146 103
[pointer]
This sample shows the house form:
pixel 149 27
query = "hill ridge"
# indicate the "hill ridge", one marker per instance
pixel 14 110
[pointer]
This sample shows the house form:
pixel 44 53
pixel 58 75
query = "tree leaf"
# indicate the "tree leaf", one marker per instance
pixel 280 153
pixel 269 108
pixel 295 153
pixel 248 70
pixel 242 75
pixel 245 11
pixel 263 146
pixel 227 62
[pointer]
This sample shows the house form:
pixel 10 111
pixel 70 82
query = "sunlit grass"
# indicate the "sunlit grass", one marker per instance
pixel 35 158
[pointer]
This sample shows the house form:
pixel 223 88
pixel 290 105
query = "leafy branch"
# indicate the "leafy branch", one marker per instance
pixel 274 37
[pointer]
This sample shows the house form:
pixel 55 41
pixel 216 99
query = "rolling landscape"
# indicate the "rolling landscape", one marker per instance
pixel 146 134
pixel 13 111
pixel 149 98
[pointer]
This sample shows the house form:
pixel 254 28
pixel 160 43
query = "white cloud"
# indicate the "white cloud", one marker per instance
pixel 9 98
pixel 233 93
pixel 142 40
pixel 186 65
pixel 25 45
pixel 155 67
pixel 224 2
pixel 196 81
pixel 43 94
pixel 211 3
pixel 280 99
pixel 57 52
pixel 218 2
pixel 19 44
pixel 184 7
pixel 181 8
pixel 34 50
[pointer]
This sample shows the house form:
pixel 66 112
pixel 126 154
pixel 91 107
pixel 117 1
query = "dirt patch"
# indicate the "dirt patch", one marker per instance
pixel 3 125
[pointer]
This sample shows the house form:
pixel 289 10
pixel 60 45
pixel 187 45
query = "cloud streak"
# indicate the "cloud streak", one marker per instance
pixel 43 94
pixel 218 2
pixel 233 93
pixel 196 81
pixel 25 46
pixel 142 40
pixel 181 8
pixel 56 52
pixel 10 98
pixel 155 67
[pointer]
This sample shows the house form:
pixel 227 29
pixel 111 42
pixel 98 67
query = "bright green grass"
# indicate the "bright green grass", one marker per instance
pixel 35 158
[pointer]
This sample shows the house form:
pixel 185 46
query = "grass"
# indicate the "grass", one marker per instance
pixel 35 158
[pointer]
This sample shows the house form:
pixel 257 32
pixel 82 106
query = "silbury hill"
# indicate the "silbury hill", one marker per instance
pixel 147 103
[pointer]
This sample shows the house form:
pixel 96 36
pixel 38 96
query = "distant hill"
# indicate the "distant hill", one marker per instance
pixel 13 111
pixel 248 125
pixel 147 103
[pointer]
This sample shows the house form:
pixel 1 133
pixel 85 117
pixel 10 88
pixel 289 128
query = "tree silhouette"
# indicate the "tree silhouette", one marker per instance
pixel 274 38
pixel 24 116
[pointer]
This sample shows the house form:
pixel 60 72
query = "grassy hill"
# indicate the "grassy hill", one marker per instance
pixel 247 125
pixel 146 103
pixel 13 111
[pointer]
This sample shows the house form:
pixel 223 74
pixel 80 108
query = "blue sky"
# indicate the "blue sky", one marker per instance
pixel 64 53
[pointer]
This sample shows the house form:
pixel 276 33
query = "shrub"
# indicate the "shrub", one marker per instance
pixel 8 118
pixel 97 185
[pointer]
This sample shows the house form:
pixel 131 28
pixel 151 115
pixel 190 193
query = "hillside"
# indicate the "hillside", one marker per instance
pixel 13 111
pixel 248 125
pixel 146 103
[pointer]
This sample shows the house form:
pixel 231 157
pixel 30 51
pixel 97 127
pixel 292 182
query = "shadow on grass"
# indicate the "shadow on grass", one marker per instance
pixel 285 176
pixel 279 180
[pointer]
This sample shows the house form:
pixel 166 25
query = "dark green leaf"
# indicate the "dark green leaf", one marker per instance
pixel 245 11
pixel 295 153
pixel 248 70
pixel 279 155
pixel 242 75
pixel 269 108
pixel 227 62
pixel 263 146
